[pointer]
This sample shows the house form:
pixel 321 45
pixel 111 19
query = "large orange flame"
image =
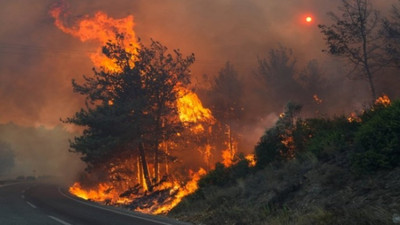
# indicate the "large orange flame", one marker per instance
pixel 104 192
pixel 102 29
pixel 191 109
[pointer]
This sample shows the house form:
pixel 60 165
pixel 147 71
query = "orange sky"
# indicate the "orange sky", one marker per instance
pixel 38 61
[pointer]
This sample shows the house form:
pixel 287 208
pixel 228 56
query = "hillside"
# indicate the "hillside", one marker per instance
pixel 314 171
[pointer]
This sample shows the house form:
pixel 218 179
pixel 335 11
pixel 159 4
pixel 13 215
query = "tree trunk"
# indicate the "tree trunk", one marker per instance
pixel 371 86
pixel 158 138
pixel 166 160
pixel 145 168
pixel 140 172
pixel 156 163
pixel 363 18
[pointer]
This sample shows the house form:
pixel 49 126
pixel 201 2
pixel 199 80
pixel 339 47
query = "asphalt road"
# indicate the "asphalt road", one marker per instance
pixel 41 203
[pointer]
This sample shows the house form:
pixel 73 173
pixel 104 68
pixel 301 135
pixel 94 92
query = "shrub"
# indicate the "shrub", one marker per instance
pixel 378 140
pixel 277 143
pixel 330 136
pixel 222 176
pixel 219 176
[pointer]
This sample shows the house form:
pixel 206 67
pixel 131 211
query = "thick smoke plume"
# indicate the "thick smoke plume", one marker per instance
pixel 38 61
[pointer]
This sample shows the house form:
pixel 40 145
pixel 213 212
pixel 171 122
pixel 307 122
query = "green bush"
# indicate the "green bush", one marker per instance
pixel 378 140
pixel 222 176
pixel 219 176
pixel 330 136
pixel 267 150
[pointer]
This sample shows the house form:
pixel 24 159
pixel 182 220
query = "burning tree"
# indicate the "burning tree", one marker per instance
pixel 139 115
pixel 225 97
pixel 129 113
pixel 278 142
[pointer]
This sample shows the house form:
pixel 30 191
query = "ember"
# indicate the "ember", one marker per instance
pixel 383 100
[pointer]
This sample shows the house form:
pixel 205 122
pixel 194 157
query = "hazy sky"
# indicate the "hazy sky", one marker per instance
pixel 38 61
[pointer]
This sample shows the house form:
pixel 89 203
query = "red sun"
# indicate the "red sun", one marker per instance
pixel 309 19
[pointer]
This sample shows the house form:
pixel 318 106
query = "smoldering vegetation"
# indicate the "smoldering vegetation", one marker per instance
pixel 39 151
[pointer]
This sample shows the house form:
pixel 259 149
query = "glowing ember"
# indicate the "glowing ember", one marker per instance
pixel 317 99
pixel 353 117
pixel 383 100
pixel 102 29
pixel 251 158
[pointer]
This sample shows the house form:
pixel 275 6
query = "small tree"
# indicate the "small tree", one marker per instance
pixel 277 74
pixel 226 99
pixel 355 37
pixel 226 95
pixel 277 143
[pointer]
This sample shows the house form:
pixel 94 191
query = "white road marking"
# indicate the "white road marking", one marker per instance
pixel 31 205
pixel 114 211
pixel 59 220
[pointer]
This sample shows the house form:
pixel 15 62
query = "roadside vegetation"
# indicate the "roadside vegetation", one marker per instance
pixel 341 170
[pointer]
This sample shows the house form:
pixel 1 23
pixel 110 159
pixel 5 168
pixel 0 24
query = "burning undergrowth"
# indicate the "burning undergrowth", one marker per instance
pixel 147 138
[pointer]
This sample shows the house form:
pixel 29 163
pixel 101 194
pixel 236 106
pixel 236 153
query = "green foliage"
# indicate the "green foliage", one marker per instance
pixel 328 136
pixel 271 147
pixel 267 150
pixel 378 140
pixel 218 176
pixel 222 176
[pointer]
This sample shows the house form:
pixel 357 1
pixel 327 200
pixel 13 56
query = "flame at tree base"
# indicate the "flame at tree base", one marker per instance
pixel 164 198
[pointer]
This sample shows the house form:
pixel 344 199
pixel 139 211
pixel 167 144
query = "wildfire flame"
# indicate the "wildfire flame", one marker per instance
pixel 251 158
pixel 102 193
pixel 191 109
pixel 103 29
pixel 383 100
pixel 189 188
pixel 227 157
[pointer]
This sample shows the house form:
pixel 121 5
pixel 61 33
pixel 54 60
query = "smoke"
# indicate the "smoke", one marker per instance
pixel 38 61
pixel 40 151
